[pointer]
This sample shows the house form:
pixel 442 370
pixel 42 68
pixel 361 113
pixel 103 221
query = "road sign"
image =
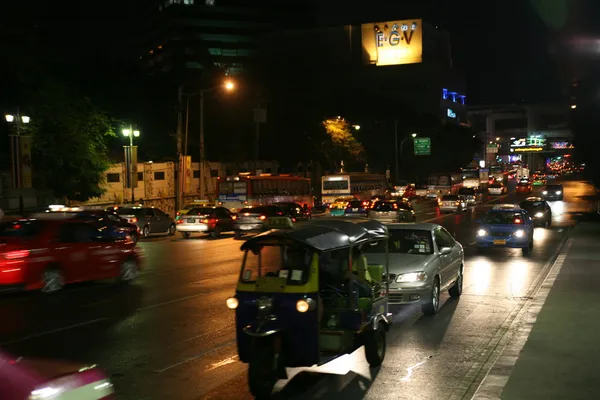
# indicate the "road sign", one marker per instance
pixel 492 148
pixel 422 146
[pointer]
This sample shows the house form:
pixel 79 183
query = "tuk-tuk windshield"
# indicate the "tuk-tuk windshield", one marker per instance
pixel 290 261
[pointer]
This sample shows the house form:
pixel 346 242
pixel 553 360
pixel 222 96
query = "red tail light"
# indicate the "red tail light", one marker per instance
pixel 16 255
pixel 210 221
pixel 134 220
pixel 348 206
pixel 179 221
pixel 178 213
pixel 234 217
pixel 517 221
pixel 263 217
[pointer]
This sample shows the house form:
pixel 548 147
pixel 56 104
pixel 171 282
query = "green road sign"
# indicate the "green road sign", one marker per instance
pixel 422 146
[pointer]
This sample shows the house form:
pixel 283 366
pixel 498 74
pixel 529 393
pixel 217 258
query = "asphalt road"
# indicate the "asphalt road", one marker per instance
pixel 169 336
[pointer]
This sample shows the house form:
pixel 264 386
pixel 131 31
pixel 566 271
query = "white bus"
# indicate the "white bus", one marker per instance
pixel 470 177
pixel 360 185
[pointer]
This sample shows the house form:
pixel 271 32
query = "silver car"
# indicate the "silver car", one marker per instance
pixel 424 261
pixel 471 196
pixel 452 203
pixel 392 211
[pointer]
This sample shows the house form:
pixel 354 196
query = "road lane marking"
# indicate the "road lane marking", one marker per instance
pixel 52 331
pixel 222 363
pixel 469 385
pixel 193 358
pixel 165 303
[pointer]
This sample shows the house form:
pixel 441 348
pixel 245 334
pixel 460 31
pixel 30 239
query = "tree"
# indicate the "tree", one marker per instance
pixel 69 141
pixel 337 144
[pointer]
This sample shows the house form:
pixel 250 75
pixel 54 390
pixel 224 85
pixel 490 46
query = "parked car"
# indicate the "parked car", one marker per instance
pixel 49 253
pixel 392 211
pixel 252 219
pixel 452 203
pixel 211 220
pixel 150 220
pixel 424 260
pixel 553 192
pixel 539 210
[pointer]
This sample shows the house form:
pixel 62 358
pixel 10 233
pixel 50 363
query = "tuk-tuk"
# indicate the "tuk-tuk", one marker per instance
pixel 338 207
pixel 307 295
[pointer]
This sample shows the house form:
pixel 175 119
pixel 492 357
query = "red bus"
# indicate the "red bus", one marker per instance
pixel 237 192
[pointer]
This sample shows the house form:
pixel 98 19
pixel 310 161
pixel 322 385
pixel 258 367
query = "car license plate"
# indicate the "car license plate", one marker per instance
pixel 245 227
pixel 191 220
pixel 354 209
pixel 499 241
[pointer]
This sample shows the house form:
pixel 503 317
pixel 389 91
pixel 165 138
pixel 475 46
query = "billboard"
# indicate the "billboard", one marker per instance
pixel 393 42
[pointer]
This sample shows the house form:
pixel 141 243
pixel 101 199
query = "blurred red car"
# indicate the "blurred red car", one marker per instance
pixel 28 379
pixel 47 254
pixel 524 187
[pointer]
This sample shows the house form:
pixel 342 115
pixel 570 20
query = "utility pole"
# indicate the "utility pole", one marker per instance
pixel 180 177
pixel 201 165
pixel 260 116
pixel 396 171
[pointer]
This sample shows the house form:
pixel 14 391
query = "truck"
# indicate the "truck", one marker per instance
pixel 470 177
pixel 522 174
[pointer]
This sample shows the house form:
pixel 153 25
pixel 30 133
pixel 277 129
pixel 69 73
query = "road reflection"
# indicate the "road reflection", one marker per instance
pixel 480 275
pixel 518 278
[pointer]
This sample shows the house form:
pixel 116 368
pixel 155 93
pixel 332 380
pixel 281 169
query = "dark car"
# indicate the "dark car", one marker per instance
pixel 358 207
pixel 294 210
pixel 150 220
pixel 539 210
pixel 252 219
pixel 553 192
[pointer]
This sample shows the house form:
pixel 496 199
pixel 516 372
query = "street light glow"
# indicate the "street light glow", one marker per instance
pixel 25 119
pixel 136 133
pixel 357 127
pixel 414 135
pixel 126 132
pixel 229 85
pixel 573 106
pixel 497 139
pixel 9 118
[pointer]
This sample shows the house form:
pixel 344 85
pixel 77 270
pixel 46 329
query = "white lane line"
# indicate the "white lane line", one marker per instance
pixel 164 303
pixel 53 331
pixel 193 358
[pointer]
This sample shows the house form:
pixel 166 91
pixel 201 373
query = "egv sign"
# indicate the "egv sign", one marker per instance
pixel 393 42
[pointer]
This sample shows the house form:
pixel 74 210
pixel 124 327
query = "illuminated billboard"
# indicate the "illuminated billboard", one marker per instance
pixel 393 42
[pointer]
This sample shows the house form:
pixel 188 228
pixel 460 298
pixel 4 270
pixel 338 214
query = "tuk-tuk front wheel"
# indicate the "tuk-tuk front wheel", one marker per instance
pixel 262 374
pixel 375 345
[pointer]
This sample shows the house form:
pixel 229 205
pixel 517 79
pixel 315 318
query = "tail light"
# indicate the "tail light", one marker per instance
pixel 16 255
pixel 293 219
pixel 133 220
pixel 234 217
pixel 262 217
pixel 210 221
pixel 178 213
pixel 348 206
pixel 279 213
pixel 458 203
pixel 179 221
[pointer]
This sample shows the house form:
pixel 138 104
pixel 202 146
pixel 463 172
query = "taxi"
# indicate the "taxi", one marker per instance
pixel 524 187
pixel 505 225
pixel 338 207
pixel 194 204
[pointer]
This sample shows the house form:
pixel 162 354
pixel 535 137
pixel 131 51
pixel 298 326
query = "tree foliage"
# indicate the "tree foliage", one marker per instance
pixel 338 144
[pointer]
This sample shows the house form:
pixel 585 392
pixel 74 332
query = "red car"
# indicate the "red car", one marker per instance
pixel 524 187
pixel 49 253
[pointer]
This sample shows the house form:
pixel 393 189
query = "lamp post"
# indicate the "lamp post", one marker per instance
pixel 411 137
pixel 229 86
pixel 131 133
pixel 16 148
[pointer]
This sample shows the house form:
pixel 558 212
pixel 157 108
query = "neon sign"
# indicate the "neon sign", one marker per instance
pixel 451 114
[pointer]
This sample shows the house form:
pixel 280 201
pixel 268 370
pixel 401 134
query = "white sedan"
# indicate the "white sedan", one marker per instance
pixel 424 260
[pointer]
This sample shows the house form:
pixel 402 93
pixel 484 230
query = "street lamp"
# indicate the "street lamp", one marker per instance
pixel 131 133
pixel 356 127
pixel 412 136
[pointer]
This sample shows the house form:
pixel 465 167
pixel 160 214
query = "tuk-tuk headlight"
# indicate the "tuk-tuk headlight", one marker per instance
pixel 232 303
pixel 305 305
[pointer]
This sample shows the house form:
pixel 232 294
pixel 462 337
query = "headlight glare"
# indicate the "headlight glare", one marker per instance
pixel 519 233
pixel 539 215
pixel 545 192
pixel 232 303
pixel 481 233
pixel 305 305
pixel 558 192
pixel 412 277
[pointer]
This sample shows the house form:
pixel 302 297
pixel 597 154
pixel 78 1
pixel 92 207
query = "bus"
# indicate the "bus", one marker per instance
pixel 360 185
pixel 497 172
pixel 470 177
pixel 245 190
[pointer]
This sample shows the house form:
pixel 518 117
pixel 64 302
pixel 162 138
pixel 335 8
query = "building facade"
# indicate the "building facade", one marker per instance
pixel 523 133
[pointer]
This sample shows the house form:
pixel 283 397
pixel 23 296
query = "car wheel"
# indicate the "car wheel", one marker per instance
pixel 433 303
pixel 186 235
pixel 128 271
pixel 172 230
pixel 53 280
pixel 215 233
pixel 456 290
pixel 146 232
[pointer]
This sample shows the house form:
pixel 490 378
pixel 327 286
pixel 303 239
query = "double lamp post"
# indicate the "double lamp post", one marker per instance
pixel 131 160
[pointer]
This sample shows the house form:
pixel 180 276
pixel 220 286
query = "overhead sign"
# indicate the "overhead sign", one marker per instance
pixel 422 146
pixel 527 149
pixel 393 42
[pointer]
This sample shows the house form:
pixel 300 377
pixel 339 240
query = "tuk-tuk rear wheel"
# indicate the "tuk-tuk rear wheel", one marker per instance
pixel 375 345
pixel 262 375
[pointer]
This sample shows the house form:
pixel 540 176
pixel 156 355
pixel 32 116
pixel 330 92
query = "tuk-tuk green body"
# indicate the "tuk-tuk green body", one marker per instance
pixel 291 313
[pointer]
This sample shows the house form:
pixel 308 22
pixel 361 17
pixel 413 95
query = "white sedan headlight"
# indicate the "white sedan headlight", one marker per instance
pixel 539 215
pixel 545 192
pixel 519 233
pixel 412 277
pixel 481 233
pixel 558 192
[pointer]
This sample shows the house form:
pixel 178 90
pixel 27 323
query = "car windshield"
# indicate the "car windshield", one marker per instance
pixel 404 241
pixel 284 260
pixel 20 228
pixel 129 211
pixel 553 187
pixel 531 204
pixel 385 206
pixel 201 211
pixel 503 217
pixel 450 198
pixel 356 204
